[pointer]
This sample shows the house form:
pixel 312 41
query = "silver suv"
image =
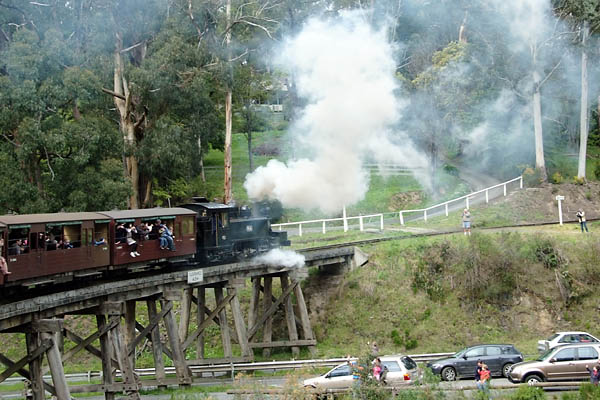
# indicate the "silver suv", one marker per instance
pixel 562 363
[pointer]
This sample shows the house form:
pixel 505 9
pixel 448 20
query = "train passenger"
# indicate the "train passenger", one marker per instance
pixel 65 244
pixel 51 243
pixel 120 234
pixel 4 266
pixel 131 242
pixel 99 242
pixel 143 231
pixel 17 248
pixel 165 236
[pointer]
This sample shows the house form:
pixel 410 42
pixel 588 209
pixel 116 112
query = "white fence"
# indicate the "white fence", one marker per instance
pixel 461 200
pixel 440 208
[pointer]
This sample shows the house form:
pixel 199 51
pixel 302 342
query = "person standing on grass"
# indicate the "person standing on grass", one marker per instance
pixel 466 220
pixel 581 217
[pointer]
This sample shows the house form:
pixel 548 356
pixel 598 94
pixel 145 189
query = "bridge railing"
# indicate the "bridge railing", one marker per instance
pixel 402 214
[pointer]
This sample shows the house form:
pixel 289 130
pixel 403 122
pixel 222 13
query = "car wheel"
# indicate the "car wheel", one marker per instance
pixel 533 379
pixel 449 374
pixel 505 369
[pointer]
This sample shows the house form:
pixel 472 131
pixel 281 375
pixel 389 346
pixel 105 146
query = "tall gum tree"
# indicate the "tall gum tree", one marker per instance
pixel 584 16
pixel 242 20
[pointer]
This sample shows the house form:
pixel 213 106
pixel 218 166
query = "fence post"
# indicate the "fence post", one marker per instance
pixel 505 189
pixel 425 215
pixel 446 209
pixel 299 229
pixel 345 220
pixel 360 223
pixel 401 218
pixel 467 199
pixel 381 224
pixel 279 228
pixel 487 196
pixel 324 231
pixel 521 182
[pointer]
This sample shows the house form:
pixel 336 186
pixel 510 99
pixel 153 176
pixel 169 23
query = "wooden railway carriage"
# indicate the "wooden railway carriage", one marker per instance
pixel 181 220
pixel 39 245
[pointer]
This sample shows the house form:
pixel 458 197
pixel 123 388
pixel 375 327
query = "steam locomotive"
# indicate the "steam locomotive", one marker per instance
pixel 56 248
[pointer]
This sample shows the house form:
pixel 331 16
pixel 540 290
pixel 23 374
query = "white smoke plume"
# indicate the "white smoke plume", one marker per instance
pixel 346 73
pixel 281 258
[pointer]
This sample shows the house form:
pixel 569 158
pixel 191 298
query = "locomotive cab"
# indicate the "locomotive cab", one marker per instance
pixel 231 233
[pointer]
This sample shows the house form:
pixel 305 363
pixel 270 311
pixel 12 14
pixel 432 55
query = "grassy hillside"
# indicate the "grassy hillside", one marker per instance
pixel 439 294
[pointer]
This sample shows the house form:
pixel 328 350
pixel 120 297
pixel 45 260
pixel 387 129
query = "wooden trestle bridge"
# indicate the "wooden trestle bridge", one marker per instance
pixel 119 333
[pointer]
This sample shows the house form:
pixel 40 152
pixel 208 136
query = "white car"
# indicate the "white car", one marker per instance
pixel 561 338
pixel 402 370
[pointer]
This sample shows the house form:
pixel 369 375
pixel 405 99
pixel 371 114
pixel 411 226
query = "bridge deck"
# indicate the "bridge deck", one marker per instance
pixel 19 312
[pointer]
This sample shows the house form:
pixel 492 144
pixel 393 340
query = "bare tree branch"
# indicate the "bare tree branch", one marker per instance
pixel 120 96
pixel 550 73
pixel 11 141
pixel 131 47
pixel 49 163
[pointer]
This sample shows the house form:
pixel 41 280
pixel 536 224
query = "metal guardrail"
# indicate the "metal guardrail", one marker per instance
pixel 236 367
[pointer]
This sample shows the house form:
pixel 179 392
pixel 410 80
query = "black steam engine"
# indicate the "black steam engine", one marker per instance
pixel 227 232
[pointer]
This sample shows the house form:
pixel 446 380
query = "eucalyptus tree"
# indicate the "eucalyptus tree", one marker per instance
pixel 252 86
pixel 238 26
pixel 57 139
pixel 584 15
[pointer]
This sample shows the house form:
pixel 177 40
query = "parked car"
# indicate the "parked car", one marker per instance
pixel 402 370
pixel 562 363
pixel 498 357
pixel 560 338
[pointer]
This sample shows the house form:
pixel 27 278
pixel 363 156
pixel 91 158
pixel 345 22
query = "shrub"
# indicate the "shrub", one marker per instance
pixel 548 255
pixel 532 177
pixel 451 170
pixel 587 391
pixel 597 170
pixel 528 393
pixel 557 178
pixel 578 181
pixel 408 342
pixel 588 195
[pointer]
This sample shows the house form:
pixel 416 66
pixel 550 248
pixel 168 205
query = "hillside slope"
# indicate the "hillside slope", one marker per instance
pixel 438 294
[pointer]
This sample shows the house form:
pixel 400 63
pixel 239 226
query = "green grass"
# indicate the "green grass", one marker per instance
pixel 379 298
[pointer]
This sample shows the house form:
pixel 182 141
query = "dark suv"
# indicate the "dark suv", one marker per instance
pixel 498 357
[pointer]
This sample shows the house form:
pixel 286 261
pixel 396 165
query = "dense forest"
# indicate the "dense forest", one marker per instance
pixel 113 103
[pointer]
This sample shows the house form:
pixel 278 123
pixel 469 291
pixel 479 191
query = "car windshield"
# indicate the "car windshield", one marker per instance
pixel 545 355
pixel 551 338
pixel 460 353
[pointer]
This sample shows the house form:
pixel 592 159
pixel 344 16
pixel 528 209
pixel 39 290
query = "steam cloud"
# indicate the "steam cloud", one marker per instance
pixel 346 73
pixel 283 258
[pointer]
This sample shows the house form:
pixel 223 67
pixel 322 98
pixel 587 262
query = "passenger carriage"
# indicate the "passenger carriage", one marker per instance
pixel 44 248
pixel 52 244
pixel 181 221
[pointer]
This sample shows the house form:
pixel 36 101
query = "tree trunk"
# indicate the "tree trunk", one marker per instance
pixel 126 125
pixel 462 35
pixel 201 162
pixel 583 116
pixel 540 164
pixel 228 196
pixel 250 157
